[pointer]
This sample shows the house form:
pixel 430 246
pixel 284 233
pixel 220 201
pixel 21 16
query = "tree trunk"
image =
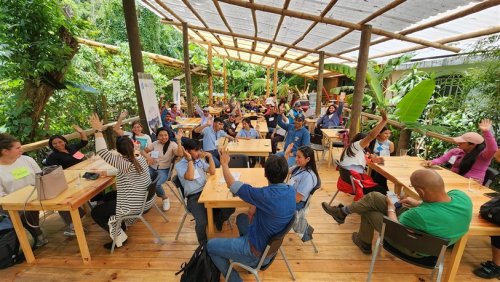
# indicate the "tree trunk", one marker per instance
pixel 404 139
pixel 38 92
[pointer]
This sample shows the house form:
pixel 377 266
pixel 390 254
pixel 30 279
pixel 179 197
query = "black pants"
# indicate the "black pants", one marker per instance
pixel 101 213
pixel 274 142
pixel 380 179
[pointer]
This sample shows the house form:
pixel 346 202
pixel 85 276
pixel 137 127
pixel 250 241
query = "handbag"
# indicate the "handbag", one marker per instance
pixel 491 210
pixel 50 182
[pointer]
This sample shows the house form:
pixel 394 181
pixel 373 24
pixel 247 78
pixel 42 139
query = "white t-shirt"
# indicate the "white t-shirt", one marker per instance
pixel 358 159
pixel 162 161
pixel 18 175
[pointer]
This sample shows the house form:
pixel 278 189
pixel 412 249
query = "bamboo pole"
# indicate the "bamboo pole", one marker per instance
pixel 210 79
pixel 359 84
pixel 319 92
pixel 311 17
pixel 268 77
pixel 278 26
pixel 187 71
pixel 275 79
pixel 224 71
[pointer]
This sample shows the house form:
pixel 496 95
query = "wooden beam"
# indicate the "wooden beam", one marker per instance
pixel 359 84
pixel 187 71
pixel 258 39
pixel 134 43
pixel 210 80
pixel 193 10
pixel 268 77
pixel 278 27
pixel 224 71
pixel 460 37
pixel 319 91
pixel 311 17
pixel 323 13
pixel 255 28
pixel 471 10
pixel 275 79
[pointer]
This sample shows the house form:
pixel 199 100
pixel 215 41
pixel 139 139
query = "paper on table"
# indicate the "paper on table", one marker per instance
pixel 236 176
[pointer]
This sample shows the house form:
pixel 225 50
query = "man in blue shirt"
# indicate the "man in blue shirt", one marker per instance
pixel 191 171
pixel 211 134
pixel 296 134
pixel 272 209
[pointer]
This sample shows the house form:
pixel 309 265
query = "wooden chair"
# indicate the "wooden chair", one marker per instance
pixel 272 248
pixel 414 241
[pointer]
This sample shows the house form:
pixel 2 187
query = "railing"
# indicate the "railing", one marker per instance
pixel 44 143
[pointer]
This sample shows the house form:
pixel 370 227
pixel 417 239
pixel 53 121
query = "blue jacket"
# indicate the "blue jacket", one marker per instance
pixel 299 137
pixel 327 122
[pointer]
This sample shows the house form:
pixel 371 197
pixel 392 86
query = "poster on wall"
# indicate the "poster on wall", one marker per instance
pixel 176 84
pixel 149 101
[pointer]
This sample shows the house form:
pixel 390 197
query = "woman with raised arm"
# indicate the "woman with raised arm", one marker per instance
pixel 132 183
pixel 140 139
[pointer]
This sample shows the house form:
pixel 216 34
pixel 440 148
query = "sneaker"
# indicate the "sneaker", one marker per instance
pixel 41 241
pixel 70 231
pixel 166 204
pixel 335 212
pixel 488 270
pixel 364 247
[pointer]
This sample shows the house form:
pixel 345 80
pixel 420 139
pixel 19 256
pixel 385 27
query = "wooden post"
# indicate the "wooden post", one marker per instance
pixel 224 74
pixel 275 80
pixel 359 84
pixel 134 44
pixel 268 77
pixel 187 69
pixel 210 77
pixel 319 91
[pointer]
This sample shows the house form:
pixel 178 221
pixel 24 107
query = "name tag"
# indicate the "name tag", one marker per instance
pixel 233 126
pixel 452 159
pixel 155 154
pixel 291 181
pixel 196 174
pixel 20 172
pixel 78 155
pixel 296 138
pixel 271 118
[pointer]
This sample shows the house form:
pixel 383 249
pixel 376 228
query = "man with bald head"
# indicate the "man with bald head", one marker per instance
pixel 446 215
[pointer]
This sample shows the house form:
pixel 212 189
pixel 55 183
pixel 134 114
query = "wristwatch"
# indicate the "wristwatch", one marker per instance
pixel 390 210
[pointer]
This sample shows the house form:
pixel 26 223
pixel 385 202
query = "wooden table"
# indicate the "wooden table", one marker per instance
pixel 78 193
pixel 263 130
pixel 215 194
pixel 188 124
pixel 311 124
pixel 252 147
pixel 398 171
pixel 215 112
pixel 329 136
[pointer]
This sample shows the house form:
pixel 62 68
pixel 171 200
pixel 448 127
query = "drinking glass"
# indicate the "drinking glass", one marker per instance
pixel 403 155
pixel 91 156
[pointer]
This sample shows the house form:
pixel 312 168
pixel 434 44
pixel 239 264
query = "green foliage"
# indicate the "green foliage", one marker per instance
pixel 348 71
pixel 31 45
pixel 413 104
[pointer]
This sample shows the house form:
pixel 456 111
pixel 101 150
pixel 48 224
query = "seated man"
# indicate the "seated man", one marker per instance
pixel 211 134
pixel 441 214
pixel 191 171
pixel 175 112
pixel 296 134
pixel 274 207
pixel 230 125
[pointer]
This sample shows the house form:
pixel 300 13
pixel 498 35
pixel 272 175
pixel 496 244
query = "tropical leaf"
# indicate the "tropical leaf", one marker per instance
pixel 376 87
pixel 411 107
pixel 350 72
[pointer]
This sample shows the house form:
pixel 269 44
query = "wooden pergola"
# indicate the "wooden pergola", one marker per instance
pixel 299 36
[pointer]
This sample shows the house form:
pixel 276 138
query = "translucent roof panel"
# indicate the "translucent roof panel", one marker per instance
pixel 267 38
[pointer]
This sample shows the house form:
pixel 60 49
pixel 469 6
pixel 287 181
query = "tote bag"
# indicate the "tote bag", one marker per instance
pixel 50 182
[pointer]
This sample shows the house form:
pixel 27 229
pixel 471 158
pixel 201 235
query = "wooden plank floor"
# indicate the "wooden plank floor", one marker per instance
pixel 142 260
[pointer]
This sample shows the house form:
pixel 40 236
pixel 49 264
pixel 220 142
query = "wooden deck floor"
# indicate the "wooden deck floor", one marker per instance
pixel 142 260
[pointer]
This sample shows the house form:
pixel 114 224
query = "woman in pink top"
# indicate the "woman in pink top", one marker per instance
pixel 473 155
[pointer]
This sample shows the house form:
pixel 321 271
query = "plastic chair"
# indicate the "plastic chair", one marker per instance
pixel 415 241
pixel 490 176
pixel 150 193
pixel 239 161
pixel 272 248
pixel 347 177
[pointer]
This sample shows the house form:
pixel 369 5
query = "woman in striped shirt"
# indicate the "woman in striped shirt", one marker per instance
pixel 132 182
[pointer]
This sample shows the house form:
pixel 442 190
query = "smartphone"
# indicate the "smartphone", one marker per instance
pixel 394 199
pixel 492 194
pixel 90 175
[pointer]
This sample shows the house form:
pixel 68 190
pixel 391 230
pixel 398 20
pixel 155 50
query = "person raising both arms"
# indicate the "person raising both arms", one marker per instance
pixel 140 139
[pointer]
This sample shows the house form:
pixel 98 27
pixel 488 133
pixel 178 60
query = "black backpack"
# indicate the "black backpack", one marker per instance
pixel 491 210
pixel 200 267
pixel 10 249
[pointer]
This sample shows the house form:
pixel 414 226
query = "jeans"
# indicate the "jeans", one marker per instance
pixel 221 250
pixel 291 160
pixel 162 178
pixel 200 216
pixel 216 157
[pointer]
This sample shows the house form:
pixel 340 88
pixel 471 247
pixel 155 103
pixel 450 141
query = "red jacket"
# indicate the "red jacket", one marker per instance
pixel 360 180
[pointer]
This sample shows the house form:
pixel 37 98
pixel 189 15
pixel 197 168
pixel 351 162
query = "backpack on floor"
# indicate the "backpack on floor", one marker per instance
pixel 491 210
pixel 200 267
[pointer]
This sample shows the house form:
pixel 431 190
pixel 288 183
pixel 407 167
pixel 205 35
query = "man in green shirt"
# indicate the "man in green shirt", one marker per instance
pixel 441 214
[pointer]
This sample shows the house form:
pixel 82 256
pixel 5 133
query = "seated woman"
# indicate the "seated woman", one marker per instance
pixel 247 132
pixel 331 118
pixel 304 175
pixel 473 155
pixel 140 139
pixel 66 155
pixel 18 171
pixel 132 182
pixel 354 157
pixel 382 147
pixel 160 155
